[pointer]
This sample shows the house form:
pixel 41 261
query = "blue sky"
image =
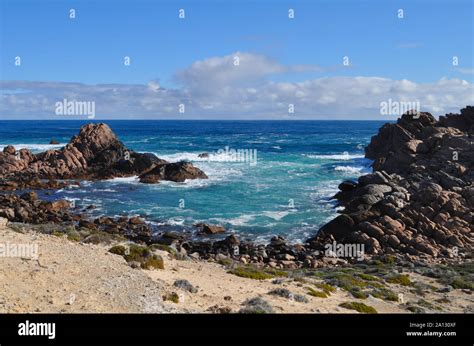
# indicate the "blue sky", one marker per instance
pixel 164 49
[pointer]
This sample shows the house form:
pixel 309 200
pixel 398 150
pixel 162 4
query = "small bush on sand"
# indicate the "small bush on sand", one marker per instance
pixel 401 279
pixel 256 305
pixel 173 297
pixel 153 262
pixel 118 250
pixel 285 293
pixel 327 288
pixel 359 307
pixel 256 273
pixel 385 294
pixel 318 294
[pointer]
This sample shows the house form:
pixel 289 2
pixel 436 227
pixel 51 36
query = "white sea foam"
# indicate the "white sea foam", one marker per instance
pixel 241 220
pixel 188 183
pixel 103 190
pixel 133 179
pixel 276 215
pixel 339 157
pixel 224 156
pixel 349 169
pixel 35 147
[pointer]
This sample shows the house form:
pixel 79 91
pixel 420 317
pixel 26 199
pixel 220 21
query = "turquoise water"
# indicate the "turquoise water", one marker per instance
pixel 287 191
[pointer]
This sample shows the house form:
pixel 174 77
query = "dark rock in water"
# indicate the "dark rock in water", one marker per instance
pixel 339 227
pixel 53 141
pixel 277 241
pixel 55 205
pixel 136 221
pixel 169 238
pixel 230 245
pixel 376 178
pixel 203 155
pixel 210 229
pixel 177 172
pixel 150 179
pixel 87 224
pixel 30 196
pixel 347 185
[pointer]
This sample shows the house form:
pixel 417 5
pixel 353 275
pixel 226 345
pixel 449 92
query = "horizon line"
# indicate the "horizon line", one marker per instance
pixel 191 119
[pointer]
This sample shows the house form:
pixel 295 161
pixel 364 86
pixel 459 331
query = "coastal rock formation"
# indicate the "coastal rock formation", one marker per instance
pixel 419 201
pixel 95 153
pixel 418 204
pixel 178 172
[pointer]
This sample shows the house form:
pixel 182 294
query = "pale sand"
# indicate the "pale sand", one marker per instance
pixel 74 277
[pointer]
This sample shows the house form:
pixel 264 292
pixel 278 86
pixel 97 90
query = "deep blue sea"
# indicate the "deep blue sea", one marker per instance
pixel 286 191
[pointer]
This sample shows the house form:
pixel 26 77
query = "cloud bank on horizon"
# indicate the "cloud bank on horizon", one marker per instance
pixel 217 88
pixel 237 60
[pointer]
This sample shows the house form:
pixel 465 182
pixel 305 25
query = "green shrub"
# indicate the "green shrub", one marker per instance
pixel 57 233
pixel 327 288
pixel 318 294
pixel 73 235
pixel 118 250
pixel 153 262
pixel 359 307
pixel 173 296
pixel 385 294
pixel 460 283
pixel 226 262
pixel 368 277
pixel 357 292
pixel 137 253
pixel 401 279
pixel 251 273
pixel 164 247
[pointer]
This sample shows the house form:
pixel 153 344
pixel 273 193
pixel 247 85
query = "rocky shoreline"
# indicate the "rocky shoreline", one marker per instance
pixel 417 205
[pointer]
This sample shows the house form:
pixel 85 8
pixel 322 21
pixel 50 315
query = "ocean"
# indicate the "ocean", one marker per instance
pixel 286 189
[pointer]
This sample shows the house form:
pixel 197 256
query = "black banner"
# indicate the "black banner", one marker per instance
pixel 310 329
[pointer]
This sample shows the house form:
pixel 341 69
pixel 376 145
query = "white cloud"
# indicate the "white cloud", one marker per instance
pixel 465 70
pixel 216 88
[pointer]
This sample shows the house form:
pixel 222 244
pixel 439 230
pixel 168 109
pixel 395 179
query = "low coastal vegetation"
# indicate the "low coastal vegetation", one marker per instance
pixel 401 279
pixel 139 255
pixel 252 272
pixel 256 305
pixel 359 307
pixel 286 293
pixel 171 296
pixel 318 294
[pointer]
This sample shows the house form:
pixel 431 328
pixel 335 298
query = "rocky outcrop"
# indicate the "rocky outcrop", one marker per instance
pixel 419 201
pixel 418 204
pixel 206 228
pixel 178 172
pixel 95 153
